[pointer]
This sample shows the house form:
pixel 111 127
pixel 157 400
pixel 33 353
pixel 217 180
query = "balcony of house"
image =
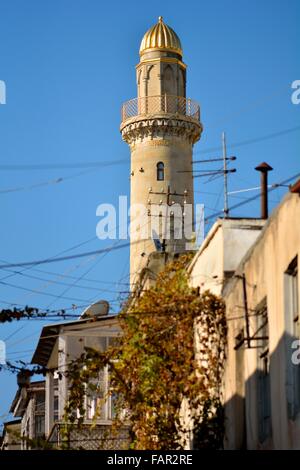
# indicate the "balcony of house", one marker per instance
pixel 89 436
pixel 168 105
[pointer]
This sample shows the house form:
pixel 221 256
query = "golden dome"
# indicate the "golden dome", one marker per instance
pixel 161 37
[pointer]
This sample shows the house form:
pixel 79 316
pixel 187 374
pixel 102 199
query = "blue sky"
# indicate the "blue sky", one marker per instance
pixel 68 66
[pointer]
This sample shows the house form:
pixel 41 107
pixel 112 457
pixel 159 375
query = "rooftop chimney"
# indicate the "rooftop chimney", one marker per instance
pixel 264 168
pixel 295 188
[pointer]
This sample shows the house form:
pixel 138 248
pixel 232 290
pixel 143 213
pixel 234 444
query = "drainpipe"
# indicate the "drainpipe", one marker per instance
pixel 264 168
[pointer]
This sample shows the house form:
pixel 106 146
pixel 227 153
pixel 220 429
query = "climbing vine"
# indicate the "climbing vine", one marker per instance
pixel 165 370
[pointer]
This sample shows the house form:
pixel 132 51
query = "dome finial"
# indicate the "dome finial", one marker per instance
pixel 161 37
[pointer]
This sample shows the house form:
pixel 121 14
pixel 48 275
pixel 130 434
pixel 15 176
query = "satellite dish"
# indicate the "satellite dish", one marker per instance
pixel 98 309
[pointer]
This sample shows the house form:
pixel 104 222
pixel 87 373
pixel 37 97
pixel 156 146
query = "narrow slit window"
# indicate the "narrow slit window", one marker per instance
pixel 160 171
pixel 292 327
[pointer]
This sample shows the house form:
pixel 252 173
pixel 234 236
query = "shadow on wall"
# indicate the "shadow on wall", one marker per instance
pixel 265 411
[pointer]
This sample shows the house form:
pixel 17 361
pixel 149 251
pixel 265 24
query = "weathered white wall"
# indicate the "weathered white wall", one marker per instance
pixel 221 252
pixel 11 440
pixel 264 267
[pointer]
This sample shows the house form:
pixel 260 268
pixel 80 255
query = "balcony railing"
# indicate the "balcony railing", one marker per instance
pixel 88 437
pixel 163 104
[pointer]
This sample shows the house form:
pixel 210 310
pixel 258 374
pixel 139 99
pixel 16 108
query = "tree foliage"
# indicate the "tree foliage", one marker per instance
pixel 166 369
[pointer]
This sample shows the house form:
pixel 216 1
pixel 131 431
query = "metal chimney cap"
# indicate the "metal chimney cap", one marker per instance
pixel 264 167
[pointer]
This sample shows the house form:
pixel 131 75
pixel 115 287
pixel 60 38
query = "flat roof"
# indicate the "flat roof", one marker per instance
pixel 14 421
pixel 49 335
pixel 31 386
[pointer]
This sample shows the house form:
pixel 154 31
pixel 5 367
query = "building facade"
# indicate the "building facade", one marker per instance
pixel 221 252
pixel 29 406
pixel 262 377
pixel 253 265
pixel 11 435
pixel 59 345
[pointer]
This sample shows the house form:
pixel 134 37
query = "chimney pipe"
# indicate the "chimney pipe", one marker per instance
pixel 264 168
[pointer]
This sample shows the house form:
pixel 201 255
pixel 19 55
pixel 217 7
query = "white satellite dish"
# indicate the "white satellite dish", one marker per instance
pixel 98 309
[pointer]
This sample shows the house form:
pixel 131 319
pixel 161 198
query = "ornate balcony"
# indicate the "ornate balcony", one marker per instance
pixel 161 105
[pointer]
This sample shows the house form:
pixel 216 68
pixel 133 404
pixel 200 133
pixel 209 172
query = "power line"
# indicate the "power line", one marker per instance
pixel 235 206
pixel 78 245
pixel 95 164
pixel 21 352
pixel 22 340
pixel 65 309
pixel 12 334
pixel 74 277
pixel 58 258
pixel 231 196
pixel 127 244
pixel 38 292
pixel 98 289
pixel 60 166
pixel 60 275
pixel 64 258
pixel 69 285
pixel 215 172
pixel 44 183
pixel 210 160
pixel 250 141
pixel 74 284
pixel 60 296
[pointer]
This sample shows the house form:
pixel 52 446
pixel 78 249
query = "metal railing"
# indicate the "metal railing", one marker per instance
pixel 89 437
pixel 161 104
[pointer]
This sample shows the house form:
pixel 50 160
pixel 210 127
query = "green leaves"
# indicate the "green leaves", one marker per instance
pixel 172 351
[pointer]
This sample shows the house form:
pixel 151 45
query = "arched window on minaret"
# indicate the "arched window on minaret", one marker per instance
pixel 169 82
pixel 181 83
pixel 160 171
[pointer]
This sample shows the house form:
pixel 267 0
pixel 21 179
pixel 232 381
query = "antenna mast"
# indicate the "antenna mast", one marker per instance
pixel 225 210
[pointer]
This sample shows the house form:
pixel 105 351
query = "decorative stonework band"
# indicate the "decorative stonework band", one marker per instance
pixel 136 130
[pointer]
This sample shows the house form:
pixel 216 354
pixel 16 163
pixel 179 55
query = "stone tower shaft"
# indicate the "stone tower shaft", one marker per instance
pixel 160 126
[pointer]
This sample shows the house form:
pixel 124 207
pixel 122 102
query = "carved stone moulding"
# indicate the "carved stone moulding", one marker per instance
pixel 161 127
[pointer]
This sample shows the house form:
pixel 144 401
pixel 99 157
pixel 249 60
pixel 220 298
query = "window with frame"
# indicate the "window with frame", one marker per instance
pixel 39 416
pixel 96 391
pixel 27 434
pixel 160 171
pixel 24 442
pixel 292 327
pixel 55 407
pixel 99 402
pixel 39 423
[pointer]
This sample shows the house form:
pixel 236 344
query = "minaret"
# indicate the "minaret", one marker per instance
pixel 161 126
